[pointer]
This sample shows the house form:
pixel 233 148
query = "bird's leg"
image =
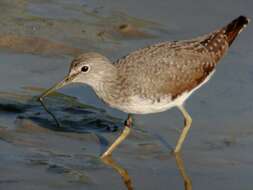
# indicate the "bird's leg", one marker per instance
pixel 122 137
pixel 187 125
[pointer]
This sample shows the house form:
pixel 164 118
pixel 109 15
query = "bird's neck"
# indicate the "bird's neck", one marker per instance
pixel 107 88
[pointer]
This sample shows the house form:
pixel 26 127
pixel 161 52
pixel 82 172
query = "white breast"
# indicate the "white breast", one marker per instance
pixel 139 105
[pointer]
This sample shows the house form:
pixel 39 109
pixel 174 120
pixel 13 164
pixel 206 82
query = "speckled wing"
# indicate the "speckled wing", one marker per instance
pixel 172 68
pixel 166 69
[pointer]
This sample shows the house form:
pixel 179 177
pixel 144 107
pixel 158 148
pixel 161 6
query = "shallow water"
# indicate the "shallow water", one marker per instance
pixel 39 38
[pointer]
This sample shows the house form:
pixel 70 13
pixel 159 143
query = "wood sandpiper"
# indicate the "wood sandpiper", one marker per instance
pixel 155 78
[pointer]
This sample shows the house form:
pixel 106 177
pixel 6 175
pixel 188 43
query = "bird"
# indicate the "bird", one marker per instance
pixel 154 78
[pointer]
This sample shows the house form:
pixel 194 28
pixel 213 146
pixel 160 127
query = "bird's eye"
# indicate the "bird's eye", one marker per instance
pixel 85 68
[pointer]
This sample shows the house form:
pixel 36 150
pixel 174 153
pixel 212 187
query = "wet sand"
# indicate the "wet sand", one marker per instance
pixel 38 39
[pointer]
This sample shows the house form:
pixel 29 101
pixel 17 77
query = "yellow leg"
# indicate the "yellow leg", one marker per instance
pixel 121 138
pixel 187 125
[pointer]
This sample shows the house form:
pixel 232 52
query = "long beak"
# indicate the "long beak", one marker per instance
pixel 64 82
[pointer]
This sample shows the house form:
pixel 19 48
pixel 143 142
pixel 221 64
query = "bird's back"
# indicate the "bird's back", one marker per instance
pixel 172 68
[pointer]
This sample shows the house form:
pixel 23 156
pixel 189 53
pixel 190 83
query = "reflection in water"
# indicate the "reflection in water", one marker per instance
pixel 128 182
pixel 121 171
pixel 180 165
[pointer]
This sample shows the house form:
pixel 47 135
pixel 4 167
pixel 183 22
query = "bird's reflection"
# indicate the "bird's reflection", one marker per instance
pixel 186 178
pixel 128 182
pixel 120 170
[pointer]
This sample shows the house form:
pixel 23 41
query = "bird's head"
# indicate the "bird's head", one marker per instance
pixel 89 68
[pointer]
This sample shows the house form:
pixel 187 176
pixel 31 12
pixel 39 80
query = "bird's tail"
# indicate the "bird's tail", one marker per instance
pixel 234 28
pixel 218 42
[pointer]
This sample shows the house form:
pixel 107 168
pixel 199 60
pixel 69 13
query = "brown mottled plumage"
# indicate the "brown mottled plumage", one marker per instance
pixel 175 67
pixel 155 78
